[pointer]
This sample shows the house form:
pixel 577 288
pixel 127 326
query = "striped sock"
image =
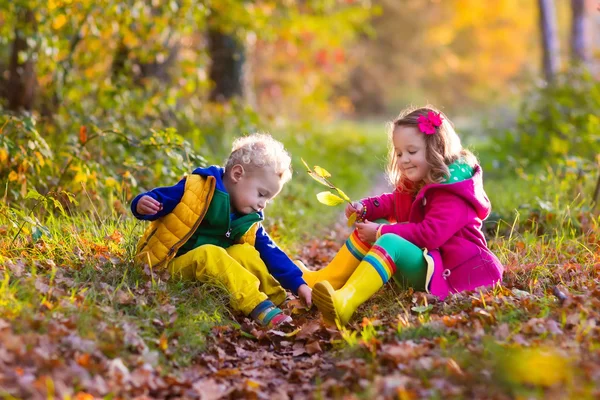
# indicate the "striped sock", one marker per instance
pixel 267 314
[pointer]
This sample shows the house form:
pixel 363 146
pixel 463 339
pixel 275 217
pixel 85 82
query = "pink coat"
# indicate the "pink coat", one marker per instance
pixel 446 219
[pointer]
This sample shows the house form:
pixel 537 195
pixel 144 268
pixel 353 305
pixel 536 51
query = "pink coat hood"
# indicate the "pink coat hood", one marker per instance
pixel 446 220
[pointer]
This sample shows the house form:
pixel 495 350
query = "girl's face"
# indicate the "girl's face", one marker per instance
pixel 411 149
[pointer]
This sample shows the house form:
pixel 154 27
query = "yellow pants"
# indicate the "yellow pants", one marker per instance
pixel 239 268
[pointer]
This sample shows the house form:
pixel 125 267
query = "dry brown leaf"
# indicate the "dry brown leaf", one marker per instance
pixel 313 348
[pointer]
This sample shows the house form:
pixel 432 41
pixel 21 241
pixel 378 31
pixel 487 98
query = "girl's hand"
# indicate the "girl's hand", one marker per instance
pixel 367 231
pixel 148 206
pixel 305 295
pixel 355 207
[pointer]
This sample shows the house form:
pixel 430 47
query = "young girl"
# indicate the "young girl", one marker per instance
pixel 432 239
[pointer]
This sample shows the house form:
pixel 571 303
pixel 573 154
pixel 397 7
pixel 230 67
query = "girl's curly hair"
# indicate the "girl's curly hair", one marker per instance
pixel 443 148
pixel 260 150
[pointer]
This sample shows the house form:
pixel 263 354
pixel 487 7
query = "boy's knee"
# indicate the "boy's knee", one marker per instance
pixel 207 253
pixel 240 251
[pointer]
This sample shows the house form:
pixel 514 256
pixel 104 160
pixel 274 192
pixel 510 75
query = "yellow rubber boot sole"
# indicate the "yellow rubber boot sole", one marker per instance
pixel 323 297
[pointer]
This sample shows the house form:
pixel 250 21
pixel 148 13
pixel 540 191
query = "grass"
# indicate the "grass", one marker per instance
pixel 77 279
pixel 80 268
pixel 354 163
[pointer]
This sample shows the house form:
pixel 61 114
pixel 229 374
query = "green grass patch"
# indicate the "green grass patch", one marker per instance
pixel 78 266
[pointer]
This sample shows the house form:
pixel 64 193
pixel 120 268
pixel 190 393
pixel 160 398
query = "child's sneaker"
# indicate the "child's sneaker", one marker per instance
pixel 267 314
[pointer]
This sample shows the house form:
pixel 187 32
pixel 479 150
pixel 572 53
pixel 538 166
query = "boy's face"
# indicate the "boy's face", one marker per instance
pixel 252 188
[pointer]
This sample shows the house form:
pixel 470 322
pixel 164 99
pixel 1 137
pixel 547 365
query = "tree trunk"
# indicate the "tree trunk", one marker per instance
pixel 548 29
pixel 158 69
pixel 22 81
pixel 596 195
pixel 578 32
pixel 227 61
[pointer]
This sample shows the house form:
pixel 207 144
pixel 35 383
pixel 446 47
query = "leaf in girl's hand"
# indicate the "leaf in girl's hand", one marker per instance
pixel 306 165
pixel 351 219
pixel 344 196
pixel 322 172
pixel 316 176
pixel 329 199
pixel 321 180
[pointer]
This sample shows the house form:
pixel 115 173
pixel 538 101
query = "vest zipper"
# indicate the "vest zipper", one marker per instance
pixel 228 233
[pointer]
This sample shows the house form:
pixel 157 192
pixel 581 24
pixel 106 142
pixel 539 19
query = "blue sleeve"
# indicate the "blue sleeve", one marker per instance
pixel 169 196
pixel 277 262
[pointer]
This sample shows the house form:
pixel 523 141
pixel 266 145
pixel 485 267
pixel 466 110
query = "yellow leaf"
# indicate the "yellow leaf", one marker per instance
pixel 322 172
pixel 130 40
pixel 344 196
pixel 536 366
pixel 3 155
pixel 252 384
pixel 80 177
pixel 40 158
pixel 321 180
pixel 329 199
pixel 351 219
pixel 164 342
pixel 111 182
pixel 13 176
pixel 59 21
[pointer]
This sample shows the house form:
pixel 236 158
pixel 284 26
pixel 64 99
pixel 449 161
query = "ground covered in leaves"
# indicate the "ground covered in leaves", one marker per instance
pixel 71 331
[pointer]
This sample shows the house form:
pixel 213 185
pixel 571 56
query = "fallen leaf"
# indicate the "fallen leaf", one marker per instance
pixel 313 348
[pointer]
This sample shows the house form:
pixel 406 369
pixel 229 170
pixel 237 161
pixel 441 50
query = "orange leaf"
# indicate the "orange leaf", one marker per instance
pixel 82 134
pixel 83 396
pixel 83 359
pixel 116 237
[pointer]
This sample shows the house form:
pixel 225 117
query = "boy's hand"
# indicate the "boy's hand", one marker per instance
pixel 148 206
pixel 367 231
pixel 305 295
pixel 355 207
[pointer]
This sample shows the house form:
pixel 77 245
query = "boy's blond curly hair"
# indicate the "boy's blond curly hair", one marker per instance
pixel 260 150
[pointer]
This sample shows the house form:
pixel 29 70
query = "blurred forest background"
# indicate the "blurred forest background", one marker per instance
pixel 101 100
pixel 160 81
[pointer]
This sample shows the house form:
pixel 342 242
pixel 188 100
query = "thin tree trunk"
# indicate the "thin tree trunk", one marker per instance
pixel 578 32
pixel 248 72
pixel 22 81
pixel 227 61
pixel 596 197
pixel 548 28
pixel 154 69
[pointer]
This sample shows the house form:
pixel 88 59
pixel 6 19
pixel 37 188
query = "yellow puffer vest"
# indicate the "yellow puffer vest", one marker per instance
pixel 166 235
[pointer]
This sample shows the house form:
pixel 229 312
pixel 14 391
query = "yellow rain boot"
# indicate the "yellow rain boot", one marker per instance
pixel 341 267
pixel 376 269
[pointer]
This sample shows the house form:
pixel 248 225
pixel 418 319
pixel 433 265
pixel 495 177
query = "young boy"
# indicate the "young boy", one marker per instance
pixel 208 227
